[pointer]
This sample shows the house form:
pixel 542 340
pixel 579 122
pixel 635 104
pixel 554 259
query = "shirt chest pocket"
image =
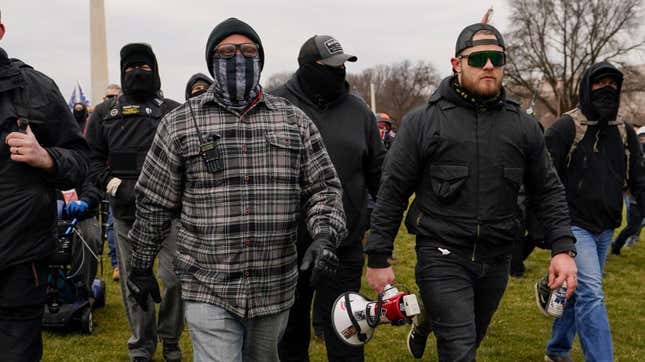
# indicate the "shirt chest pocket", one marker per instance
pixel 205 165
pixel 284 153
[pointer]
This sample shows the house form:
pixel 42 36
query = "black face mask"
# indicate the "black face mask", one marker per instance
pixel 322 83
pixel 139 82
pixel 605 102
pixel 80 115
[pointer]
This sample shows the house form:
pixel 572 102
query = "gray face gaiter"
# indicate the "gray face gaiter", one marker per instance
pixel 236 80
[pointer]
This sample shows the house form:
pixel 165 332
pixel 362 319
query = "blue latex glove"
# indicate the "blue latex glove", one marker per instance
pixel 77 208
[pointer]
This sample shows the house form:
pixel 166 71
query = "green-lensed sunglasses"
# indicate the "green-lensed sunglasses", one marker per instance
pixel 478 59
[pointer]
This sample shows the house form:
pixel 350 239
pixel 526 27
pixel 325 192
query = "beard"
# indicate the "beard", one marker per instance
pixel 481 88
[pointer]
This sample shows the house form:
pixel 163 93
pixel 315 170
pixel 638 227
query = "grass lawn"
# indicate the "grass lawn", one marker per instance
pixel 518 331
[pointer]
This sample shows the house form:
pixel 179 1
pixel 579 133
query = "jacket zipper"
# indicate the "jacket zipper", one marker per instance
pixel 477 183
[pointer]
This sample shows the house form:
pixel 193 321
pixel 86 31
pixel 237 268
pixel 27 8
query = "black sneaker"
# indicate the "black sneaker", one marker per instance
pixel 141 359
pixel 542 293
pixel 417 342
pixel 553 358
pixel 171 352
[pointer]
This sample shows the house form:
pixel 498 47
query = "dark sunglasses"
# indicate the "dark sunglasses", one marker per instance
pixel 249 50
pixel 479 59
pixel 109 96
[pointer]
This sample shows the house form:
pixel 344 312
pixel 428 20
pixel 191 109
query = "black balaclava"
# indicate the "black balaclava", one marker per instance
pixel 600 105
pixel 321 83
pixel 138 82
pixel 236 79
pixel 80 115
pixel 194 79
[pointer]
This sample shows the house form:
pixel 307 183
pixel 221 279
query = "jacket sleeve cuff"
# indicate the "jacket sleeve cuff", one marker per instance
pixel 563 245
pixel 378 261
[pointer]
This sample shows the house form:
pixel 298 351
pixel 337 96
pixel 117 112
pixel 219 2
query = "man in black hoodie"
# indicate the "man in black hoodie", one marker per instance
pixel 349 131
pixel 596 155
pixel 465 155
pixel 120 133
pixel 197 84
pixel 36 158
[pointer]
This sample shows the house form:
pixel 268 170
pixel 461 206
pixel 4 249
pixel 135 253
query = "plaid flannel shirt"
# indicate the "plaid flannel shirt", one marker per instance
pixel 236 242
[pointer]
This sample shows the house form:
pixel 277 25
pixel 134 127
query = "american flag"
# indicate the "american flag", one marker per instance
pixel 78 98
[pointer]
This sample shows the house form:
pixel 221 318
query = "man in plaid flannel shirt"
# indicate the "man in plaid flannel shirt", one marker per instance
pixel 239 168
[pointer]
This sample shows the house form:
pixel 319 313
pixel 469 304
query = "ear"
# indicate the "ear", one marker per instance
pixel 456 64
pixel 1 30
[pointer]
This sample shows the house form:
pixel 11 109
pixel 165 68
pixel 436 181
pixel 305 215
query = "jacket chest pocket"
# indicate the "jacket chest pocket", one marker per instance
pixel 284 153
pixel 447 180
pixel 507 198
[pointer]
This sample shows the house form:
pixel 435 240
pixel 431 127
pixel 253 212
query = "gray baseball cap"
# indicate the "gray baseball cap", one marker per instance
pixel 465 39
pixel 326 49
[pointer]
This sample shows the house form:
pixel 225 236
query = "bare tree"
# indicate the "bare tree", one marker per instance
pixel 398 87
pixel 276 80
pixel 552 42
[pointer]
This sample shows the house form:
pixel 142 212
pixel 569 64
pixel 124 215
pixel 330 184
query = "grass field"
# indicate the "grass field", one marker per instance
pixel 518 331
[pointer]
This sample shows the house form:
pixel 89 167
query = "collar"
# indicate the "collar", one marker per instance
pixel 209 97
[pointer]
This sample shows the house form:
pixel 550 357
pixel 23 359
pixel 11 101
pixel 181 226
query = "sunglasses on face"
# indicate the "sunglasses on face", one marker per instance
pixel 248 50
pixel 479 59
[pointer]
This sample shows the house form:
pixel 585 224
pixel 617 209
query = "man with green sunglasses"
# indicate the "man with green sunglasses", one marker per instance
pixel 465 155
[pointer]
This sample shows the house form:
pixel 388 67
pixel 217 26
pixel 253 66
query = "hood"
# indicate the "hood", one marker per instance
pixel 136 53
pixel 593 72
pixel 194 79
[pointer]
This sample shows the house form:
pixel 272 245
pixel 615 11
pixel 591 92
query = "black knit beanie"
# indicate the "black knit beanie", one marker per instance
pixel 228 27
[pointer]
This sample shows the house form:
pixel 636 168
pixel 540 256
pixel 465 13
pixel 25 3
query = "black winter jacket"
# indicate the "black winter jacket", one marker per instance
pixel 28 206
pixel 349 131
pixel 466 165
pixel 120 133
pixel 595 177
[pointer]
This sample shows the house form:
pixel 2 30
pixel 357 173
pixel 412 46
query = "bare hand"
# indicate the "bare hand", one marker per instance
pixel 563 268
pixel 378 278
pixel 24 147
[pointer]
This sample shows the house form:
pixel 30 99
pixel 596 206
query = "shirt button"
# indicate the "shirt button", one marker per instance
pixel 247 211
pixel 247 242
pixel 246 179
pixel 247 273
pixel 244 148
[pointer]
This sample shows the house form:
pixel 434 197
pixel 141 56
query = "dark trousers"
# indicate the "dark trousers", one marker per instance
pixel 294 345
pixel 633 227
pixel 460 297
pixel 23 293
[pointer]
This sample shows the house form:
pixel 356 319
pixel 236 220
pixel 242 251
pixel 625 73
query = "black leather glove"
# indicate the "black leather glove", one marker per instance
pixel 321 258
pixel 142 283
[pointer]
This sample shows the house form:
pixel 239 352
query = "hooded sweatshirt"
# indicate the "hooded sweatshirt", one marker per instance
pixel 194 79
pixel 595 176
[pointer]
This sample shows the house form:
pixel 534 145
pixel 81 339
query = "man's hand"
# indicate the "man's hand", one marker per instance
pixel 378 278
pixel 142 283
pixel 77 208
pixel 24 147
pixel 563 268
pixel 113 186
pixel 321 258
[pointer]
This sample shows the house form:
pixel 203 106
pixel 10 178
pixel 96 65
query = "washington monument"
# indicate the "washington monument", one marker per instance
pixel 98 50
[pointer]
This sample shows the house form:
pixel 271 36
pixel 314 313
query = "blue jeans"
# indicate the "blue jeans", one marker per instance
pixel 220 336
pixel 109 231
pixel 585 312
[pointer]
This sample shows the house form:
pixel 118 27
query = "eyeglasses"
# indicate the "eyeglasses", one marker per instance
pixel 248 50
pixel 479 59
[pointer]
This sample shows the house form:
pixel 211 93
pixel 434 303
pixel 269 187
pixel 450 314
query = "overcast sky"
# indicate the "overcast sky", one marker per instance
pixel 53 35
